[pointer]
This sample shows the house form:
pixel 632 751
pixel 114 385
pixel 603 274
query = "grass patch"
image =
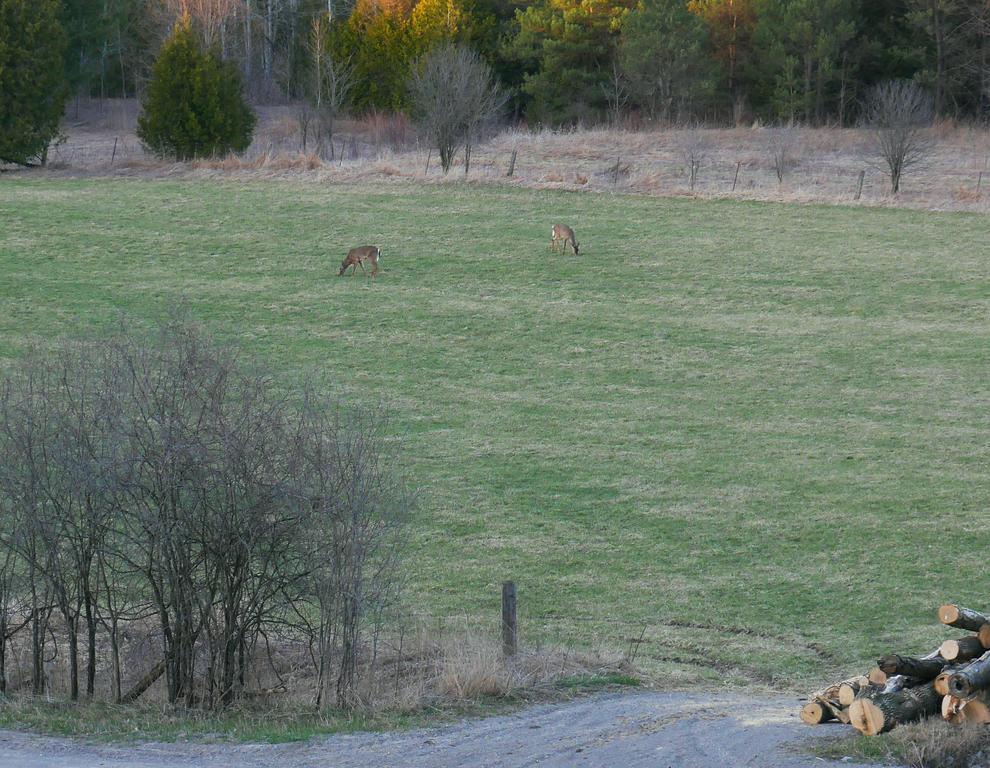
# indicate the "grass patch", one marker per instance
pixel 109 723
pixel 747 427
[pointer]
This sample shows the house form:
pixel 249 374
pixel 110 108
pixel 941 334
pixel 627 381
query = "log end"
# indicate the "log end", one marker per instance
pixel 942 683
pixel 984 635
pixel 949 650
pixel 877 676
pixel 948 614
pixel 815 713
pixel 867 718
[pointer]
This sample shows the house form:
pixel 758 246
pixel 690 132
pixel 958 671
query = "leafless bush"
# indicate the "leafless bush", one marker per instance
pixel 781 148
pixel 454 95
pixel 165 477
pixel 694 148
pixel 899 114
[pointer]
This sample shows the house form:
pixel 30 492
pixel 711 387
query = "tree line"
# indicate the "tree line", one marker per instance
pixel 564 61
pixel 159 484
pixel 557 62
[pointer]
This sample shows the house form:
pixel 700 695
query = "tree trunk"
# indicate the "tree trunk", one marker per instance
pixel 961 650
pixel 145 682
pixel 90 643
pixel 923 669
pixel 851 688
pixel 962 618
pixel 880 712
pixel 972 678
pixel 72 626
pixel 958 710
pixel 115 660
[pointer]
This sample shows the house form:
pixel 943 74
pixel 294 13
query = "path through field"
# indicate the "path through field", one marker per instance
pixel 658 730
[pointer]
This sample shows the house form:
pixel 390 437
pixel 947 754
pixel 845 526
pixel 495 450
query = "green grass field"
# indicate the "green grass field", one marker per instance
pixel 768 422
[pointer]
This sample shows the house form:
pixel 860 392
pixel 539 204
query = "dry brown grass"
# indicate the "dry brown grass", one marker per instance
pixel 934 743
pixel 824 167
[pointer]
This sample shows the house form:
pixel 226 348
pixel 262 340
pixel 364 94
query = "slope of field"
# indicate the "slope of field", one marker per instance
pixel 758 431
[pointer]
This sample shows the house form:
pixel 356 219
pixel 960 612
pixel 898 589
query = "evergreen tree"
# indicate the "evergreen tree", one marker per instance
pixel 665 54
pixel 381 45
pixel 730 25
pixel 803 56
pixel 194 106
pixel 568 50
pixel 32 79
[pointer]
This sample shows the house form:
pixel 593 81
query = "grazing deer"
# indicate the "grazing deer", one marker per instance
pixel 357 256
pixel 563 234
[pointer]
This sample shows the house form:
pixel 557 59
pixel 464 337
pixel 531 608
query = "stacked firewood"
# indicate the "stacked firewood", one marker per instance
pixel 954 680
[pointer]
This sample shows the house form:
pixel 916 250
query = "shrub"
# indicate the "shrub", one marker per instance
pixel 32 79
pixel 195 104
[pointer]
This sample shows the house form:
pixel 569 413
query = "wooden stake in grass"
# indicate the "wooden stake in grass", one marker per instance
pixel 963 649
pixel 859 187
pixel 512 164
pixel 961 618
pixel 882 711
pixel 736 177
pixel 509 626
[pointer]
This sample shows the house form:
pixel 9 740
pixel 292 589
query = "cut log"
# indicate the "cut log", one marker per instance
pixel 145 682
pixel 962 618
pixel 816 713
pixel 877 676
pixel 967 681
pixel 984 635
pixel 941 682
pixel 963 649
pixel 958 710
pixel 849 689
pixel 882 711
pixel 923 669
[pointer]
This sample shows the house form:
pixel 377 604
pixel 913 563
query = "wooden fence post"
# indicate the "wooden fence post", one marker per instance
pixel 428 156
pixel 736 177
pixel 979 181
pixel 615 177
pixel 509 625
pixel 859 187
pixel 115 150
pixel 512 164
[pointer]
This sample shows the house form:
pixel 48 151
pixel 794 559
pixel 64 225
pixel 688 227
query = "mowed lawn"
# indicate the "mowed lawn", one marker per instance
pixel 760 431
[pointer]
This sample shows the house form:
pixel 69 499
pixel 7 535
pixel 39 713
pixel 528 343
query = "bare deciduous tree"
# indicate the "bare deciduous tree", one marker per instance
pixel 165 477
pixel 333 78
pixel 781 147
pixel 898 114
pixel 694 147
pixel 454 95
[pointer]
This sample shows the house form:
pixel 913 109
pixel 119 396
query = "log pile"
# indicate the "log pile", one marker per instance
pixel 952 680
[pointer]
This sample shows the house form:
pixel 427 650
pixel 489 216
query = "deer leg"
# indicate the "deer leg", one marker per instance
pixel 363 270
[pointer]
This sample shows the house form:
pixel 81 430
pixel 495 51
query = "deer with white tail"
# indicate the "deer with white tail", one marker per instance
pixel 357 256
pixel 561 235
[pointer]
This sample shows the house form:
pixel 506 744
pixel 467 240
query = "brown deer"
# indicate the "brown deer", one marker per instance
pixel 357 256
pixel 562 234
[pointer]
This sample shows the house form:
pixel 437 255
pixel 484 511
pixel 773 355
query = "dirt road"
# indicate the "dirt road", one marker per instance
pixel 654 730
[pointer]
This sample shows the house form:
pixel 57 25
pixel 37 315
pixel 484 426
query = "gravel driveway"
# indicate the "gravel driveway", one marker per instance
pixel 659 730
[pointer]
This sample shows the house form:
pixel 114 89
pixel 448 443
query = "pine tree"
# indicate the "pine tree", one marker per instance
pixel 194 106
pixel 32 79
